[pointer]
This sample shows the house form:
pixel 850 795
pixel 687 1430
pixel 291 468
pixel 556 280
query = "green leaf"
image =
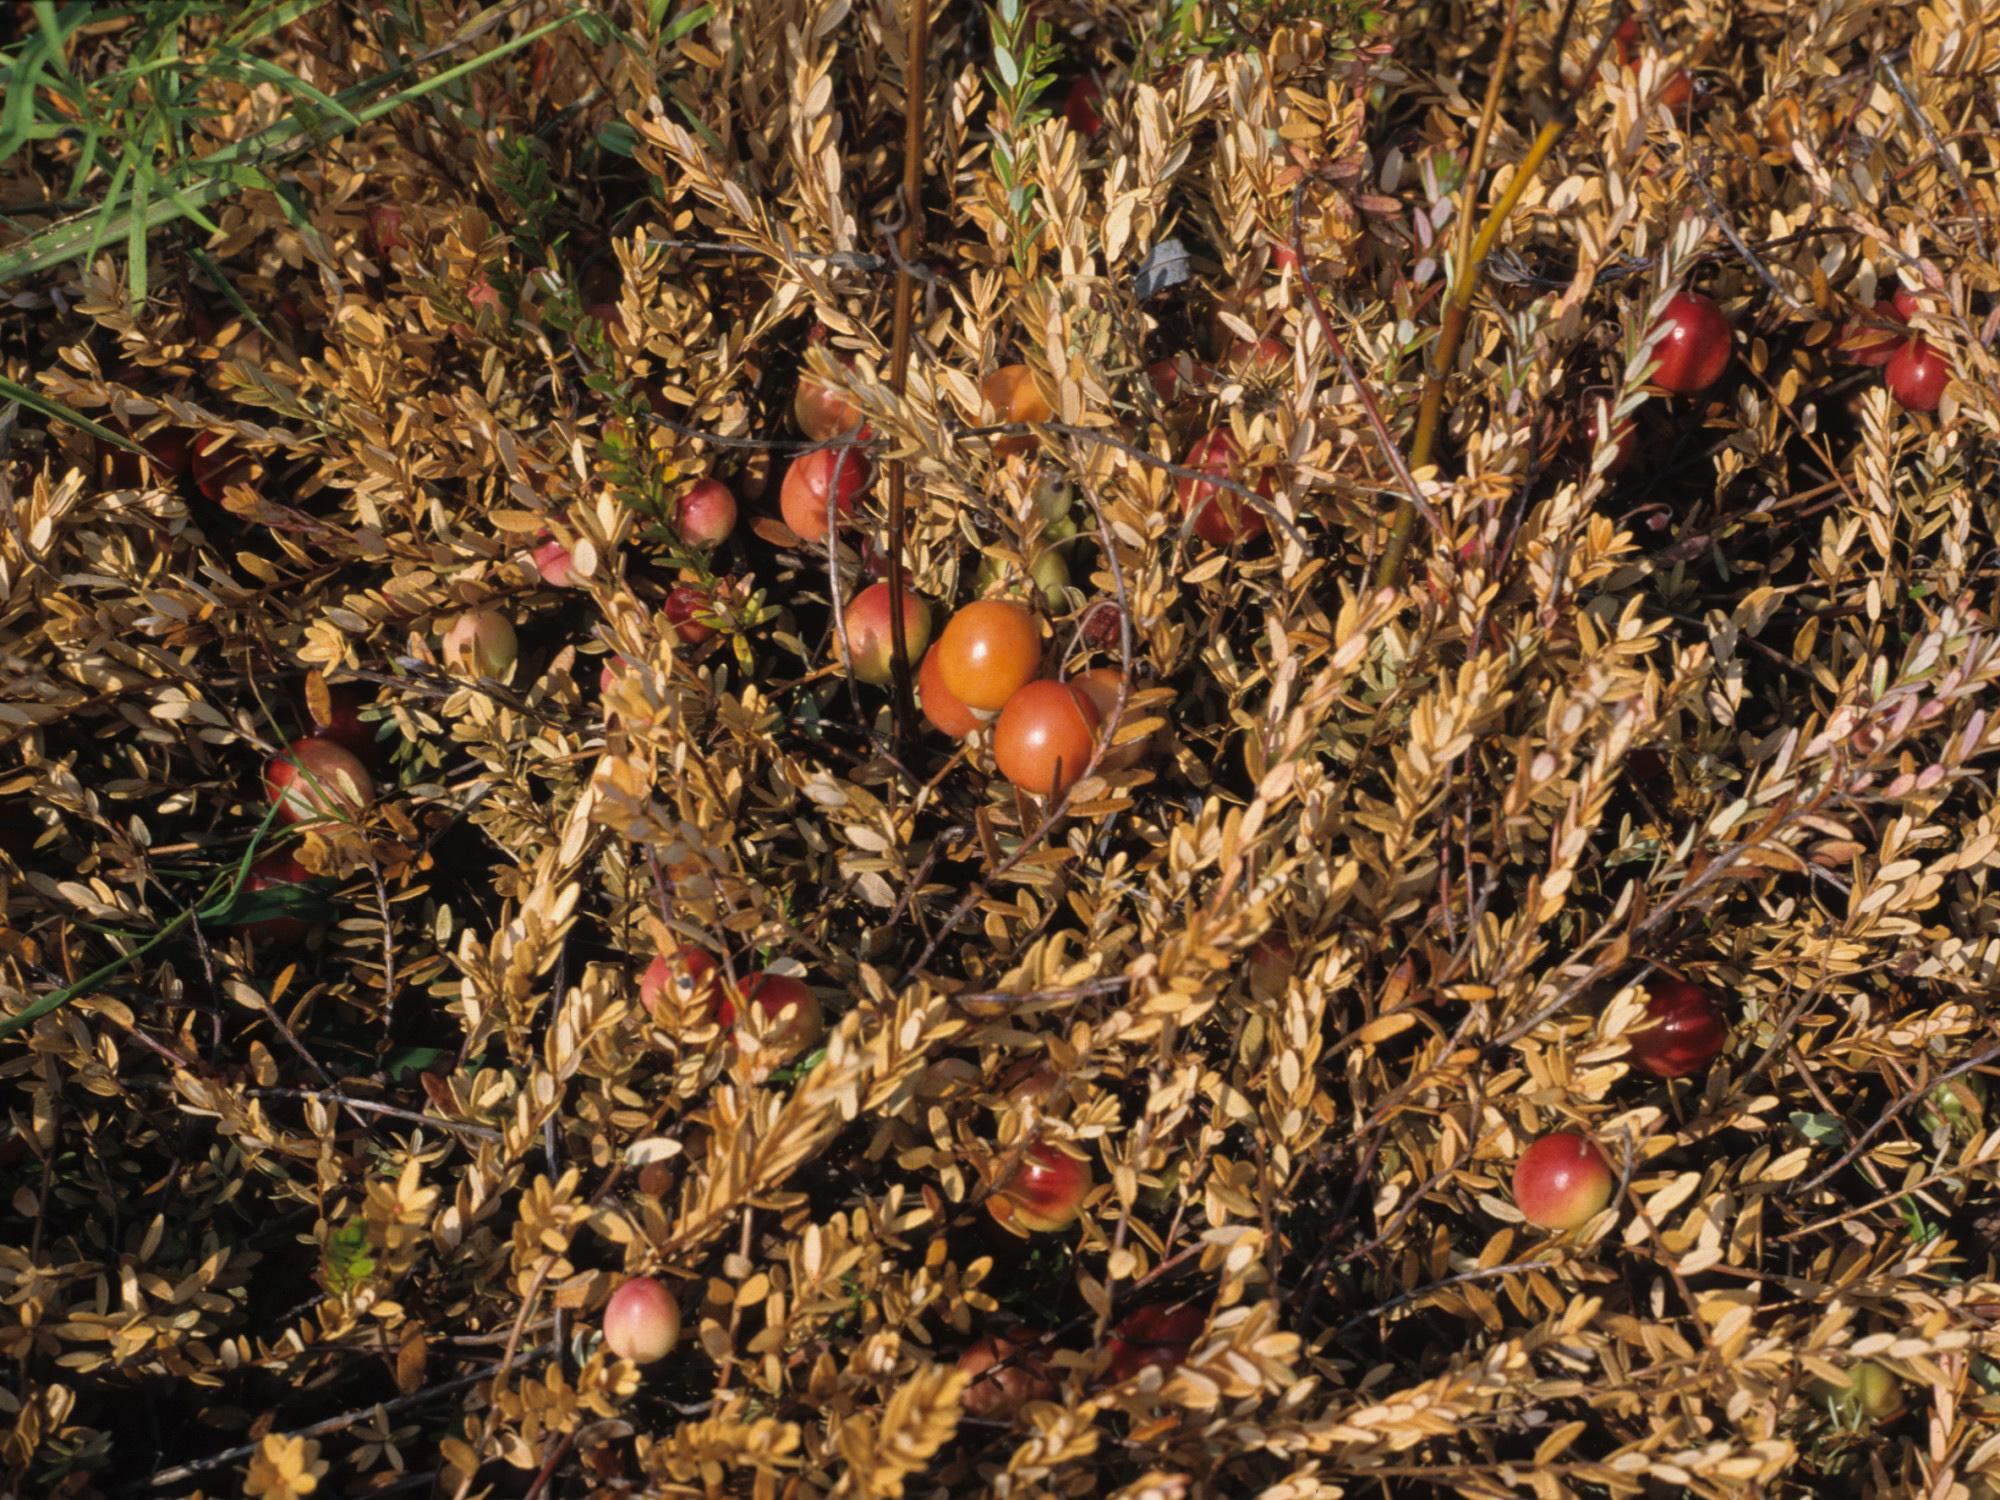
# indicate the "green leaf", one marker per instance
pixel 793 1072
pixel 347 1257
pixel 701 15
pixel 618 138
pixel 406 1062
pixel 1818 1127
pixel 305 902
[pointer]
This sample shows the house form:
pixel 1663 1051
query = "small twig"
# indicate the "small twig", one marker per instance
pixel 1167 1265
pixel 1930 1179
pixel 755 445
pixel 1419 1195
pixel 1777 658
pixel 1462 1278
pixel 1383 438
pixel 978 893
pixel 1882 1121
pixel 305 1055
pixel 1107 546
pixel 508 1361
pixel 388 952
pixel 1260 503
pixel 552 1153
pixel 726 1369
pixel 1719 217
pixel 924 867
pixel 499 1336
pixel 1781 1041
pixel 557 1453
pixel 1799 1066
pixel 1143 1138
pixel 1945 159
pixel 480 792
pixel 1445 852
pixel 1111 984
pixel 332 1424
pixel 833 576
pixel 842 260
pixel 369 1106
pixel 158 1048
pixel 895 260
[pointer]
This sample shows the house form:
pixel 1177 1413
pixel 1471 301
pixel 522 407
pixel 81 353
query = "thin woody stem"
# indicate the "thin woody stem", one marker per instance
pixel 911 242
pixel 1475 168
pixel 1458 308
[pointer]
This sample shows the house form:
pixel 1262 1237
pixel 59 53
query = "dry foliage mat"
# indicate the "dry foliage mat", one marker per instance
pixel 342 1212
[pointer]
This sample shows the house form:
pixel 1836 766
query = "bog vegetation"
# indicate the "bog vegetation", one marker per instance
pixel 1433 931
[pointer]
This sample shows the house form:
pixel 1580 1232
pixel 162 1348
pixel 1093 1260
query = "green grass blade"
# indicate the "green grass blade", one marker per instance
pixel 66 242
pixel 190 210
pixel 222 170
pixel 686 22
pixel 471 65
pixel 264 69
pixel 262 21
pixel 22 82
pixel 135 234
pixel 86 157
pixel 55 411
pixel 59 26
pixel 106 222
pixel 234 298
pixel 216 900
